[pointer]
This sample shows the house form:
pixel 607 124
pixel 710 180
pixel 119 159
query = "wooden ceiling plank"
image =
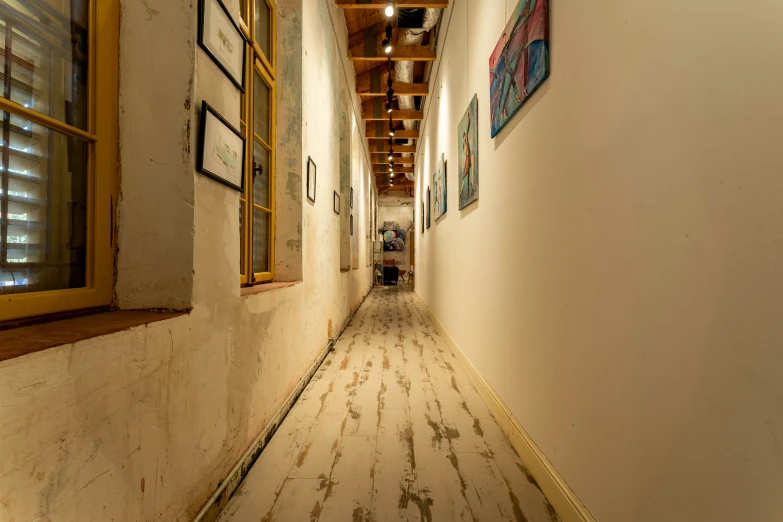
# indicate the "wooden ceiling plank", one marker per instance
pixel 397 115
pixel 408 53
pixel 400 89
pixel 400 4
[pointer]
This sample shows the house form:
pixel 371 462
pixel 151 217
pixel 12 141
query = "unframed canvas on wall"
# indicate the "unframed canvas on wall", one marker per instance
pixel 223 40
pixel 439 182
pixel 394 241
pixel 221 154
pixel 311 179
pixel 429 197
pixel 520 62
pixel 467 134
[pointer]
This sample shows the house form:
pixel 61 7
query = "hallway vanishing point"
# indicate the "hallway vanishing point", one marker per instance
pixel 389 428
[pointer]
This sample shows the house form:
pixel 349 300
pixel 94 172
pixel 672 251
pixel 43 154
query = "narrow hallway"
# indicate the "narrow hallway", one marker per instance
pixel 389 428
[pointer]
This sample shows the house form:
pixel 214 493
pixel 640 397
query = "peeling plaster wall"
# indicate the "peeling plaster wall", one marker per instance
pixel 155 255
pixel 618 283
pixel 142 425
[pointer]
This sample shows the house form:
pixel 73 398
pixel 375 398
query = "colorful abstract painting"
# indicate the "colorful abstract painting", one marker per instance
pixel 468 165
pixel 394 241
pixel 439 182
pixel 520 62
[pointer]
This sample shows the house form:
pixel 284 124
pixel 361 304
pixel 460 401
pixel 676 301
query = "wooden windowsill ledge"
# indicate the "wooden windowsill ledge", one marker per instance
pixel 265 287
pixel 24 340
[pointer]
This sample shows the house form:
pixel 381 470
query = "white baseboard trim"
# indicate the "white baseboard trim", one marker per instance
pixel 560 495
pixel 215 505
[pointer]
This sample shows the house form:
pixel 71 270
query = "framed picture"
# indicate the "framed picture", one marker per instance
pixel 222 39
pixel 222 149
pixel 336 203
pixel 311 168
pixel 422 217
pixel 351 224
pixel 468 148
pixel 520 62
pixel 439 182
pixel 429 197
pixel 351 197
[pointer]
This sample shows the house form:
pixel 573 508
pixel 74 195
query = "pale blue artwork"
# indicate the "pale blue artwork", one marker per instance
pixel 439 182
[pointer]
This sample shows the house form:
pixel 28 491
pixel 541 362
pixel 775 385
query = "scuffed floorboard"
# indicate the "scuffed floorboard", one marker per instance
pixel 389 429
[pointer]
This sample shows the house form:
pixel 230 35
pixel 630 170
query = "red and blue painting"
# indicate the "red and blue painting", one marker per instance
pixel 520 62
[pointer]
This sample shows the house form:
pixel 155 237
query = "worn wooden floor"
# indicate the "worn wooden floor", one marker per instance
pixel 390 428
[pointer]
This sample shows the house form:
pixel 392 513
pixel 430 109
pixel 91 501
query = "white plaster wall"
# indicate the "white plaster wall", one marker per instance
pixel 618 282
pixel 142 425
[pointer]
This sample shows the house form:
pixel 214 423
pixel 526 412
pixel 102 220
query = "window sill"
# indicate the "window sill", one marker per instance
pixel 25 340
pixel 265 287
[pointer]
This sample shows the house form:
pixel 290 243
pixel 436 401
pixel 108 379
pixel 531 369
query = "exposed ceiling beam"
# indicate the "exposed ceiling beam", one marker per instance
pixel 379 130
pixel 397 170
pixel 398 115
pixel 400 4
pixel 383 148
pixel 398 134
pixel 408 53
pixel 400 89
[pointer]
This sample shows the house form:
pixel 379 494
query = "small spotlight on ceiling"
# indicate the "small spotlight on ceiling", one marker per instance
pixel 389 9
pixel 391 132
pixel 387 47
pixel 388 108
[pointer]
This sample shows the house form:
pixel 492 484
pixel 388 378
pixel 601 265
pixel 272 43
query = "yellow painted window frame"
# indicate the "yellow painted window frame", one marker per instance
pixel 265 67
pixel 102 135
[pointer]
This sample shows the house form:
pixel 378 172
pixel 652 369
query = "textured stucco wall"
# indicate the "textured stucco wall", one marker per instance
pixel 619 282
pixel 142 425
pixel 155 254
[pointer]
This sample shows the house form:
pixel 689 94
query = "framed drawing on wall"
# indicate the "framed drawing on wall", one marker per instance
pixel 351 224
pixel 222 39
pixel 222 149
pixel 422 217
pixel 336 203
pixel 351 197
pixel 311 179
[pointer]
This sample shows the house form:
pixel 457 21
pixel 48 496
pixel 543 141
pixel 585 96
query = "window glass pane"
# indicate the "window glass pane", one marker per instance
pixel 44 57
pixel 261 108
pixel 260 175
pixel 264 27
pixel 43 208
pixel 241 238
pixel 260 241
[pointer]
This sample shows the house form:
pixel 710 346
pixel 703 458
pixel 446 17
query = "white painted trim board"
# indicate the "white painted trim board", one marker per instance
pixel 560 495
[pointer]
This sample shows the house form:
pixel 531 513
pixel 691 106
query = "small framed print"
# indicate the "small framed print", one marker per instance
pixel 311 168
pixel 222 149
pixel 336 203
pixel 351 224
pixel 222 39
pixel 422 217
pixel 351 197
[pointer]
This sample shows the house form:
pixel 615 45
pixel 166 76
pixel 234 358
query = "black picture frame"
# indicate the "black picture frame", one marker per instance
pixel 422 217
pixel 336 203
pixel 351 197
pixel 206 111
pixel 429 197
pixel 239 82
pixel 351 224
pixel 311 175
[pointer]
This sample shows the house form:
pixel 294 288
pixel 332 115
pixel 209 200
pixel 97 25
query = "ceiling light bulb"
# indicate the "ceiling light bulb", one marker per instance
pixel 391 133
pixel 389 9
pixel 388 108
pixel 387 48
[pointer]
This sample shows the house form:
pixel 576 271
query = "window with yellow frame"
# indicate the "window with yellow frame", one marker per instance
pixel 257 203
pixel 58 112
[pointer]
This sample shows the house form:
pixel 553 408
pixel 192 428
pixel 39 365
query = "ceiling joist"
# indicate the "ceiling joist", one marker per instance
pixel 371 115
pixel 400 4
pixel 397 170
